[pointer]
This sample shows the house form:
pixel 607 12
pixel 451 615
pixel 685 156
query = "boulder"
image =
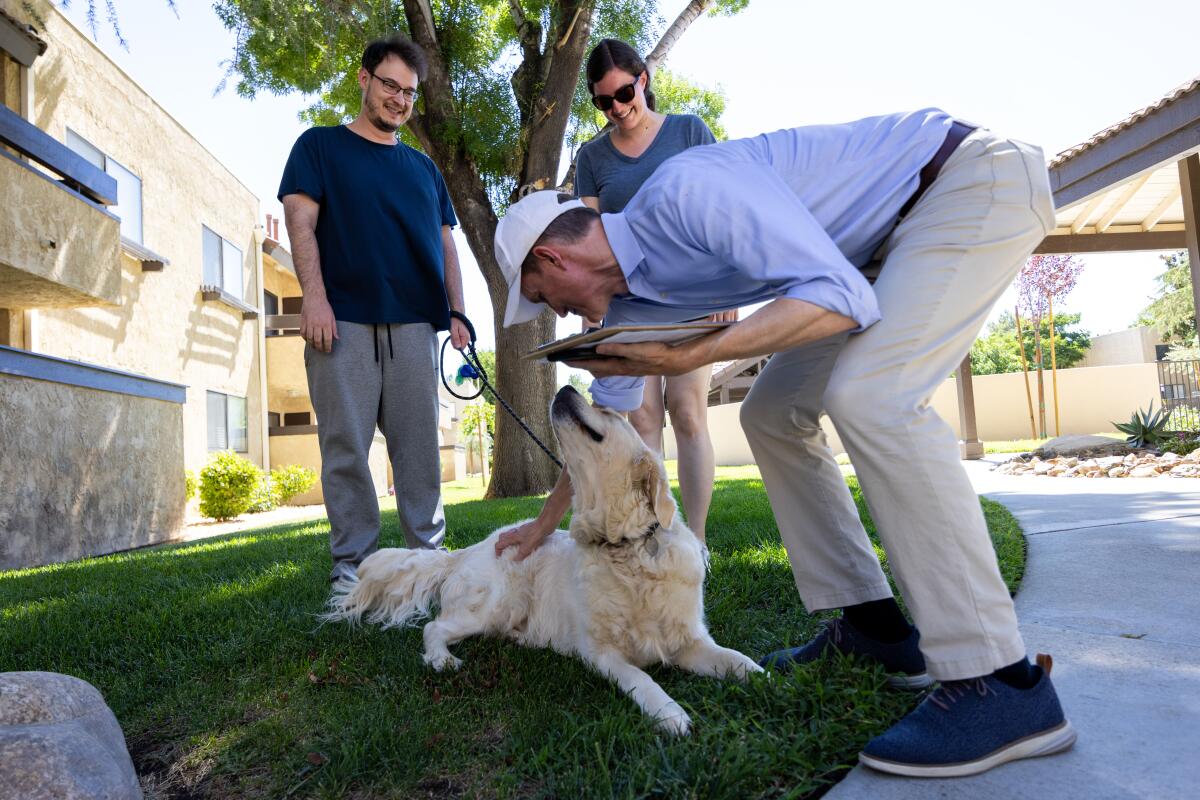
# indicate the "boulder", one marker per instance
pixel 58 739
pixel 1081 444
pixel 1144 471
pixel 1118 472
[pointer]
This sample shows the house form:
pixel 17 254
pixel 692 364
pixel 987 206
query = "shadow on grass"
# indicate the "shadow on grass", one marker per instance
pixel 211 656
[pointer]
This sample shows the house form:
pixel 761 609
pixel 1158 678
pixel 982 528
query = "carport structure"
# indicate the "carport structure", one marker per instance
pixel 1133 186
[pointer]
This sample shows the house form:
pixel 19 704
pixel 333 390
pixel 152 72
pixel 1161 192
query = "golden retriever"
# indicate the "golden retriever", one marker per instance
pixel 622 590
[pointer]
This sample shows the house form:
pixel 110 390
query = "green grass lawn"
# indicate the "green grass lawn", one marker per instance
pixel 226 687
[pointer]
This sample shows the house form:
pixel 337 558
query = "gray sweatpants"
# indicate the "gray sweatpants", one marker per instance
pixel 385 376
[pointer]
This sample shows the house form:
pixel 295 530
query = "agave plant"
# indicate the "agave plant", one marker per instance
pixel 1145 428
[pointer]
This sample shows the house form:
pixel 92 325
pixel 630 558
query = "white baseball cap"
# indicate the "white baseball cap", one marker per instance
pixel 516 233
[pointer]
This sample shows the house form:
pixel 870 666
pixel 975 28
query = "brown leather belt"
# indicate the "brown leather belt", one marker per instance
pixel 958 131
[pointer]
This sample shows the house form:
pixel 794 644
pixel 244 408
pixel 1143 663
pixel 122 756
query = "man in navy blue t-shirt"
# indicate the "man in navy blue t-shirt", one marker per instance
pixel 369 220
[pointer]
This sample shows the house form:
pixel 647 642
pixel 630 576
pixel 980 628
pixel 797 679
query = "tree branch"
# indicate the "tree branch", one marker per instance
pixel 672 34
pixel 423 15
pixel 530 33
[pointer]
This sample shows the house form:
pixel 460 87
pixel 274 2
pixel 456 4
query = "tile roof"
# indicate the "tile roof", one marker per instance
pixel 1178 93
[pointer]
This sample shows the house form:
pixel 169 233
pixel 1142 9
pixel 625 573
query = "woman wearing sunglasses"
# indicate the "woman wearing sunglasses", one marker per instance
pixel 608 171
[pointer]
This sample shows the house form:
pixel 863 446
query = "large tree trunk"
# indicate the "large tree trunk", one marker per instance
pixel 544 85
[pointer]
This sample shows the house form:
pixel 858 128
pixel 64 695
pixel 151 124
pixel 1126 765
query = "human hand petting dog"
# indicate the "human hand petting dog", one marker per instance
pixel 526 538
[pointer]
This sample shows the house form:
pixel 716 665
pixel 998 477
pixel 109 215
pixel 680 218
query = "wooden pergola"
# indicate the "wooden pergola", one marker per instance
pixel 1133 186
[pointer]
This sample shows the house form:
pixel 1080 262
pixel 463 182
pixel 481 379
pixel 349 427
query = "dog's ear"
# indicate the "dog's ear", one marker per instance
pixel 653 482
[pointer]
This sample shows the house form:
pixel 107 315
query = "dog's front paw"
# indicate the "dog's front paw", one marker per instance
pixel 443 662
pixel 672 719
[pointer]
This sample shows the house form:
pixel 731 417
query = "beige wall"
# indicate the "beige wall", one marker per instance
pixel 1090 399
pixel 85 472
pixel 51 242
pixel 287 382
pixel 10 83
pixel 1132 346
pixel 302 449
pixel 162 329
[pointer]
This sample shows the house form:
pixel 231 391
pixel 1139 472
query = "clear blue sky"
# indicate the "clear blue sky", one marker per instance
pixel 1049 72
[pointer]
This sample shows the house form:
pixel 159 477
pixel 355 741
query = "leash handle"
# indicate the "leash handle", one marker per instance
pixel 461 317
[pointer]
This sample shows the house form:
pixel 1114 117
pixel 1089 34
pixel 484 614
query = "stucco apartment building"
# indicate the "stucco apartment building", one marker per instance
pixel 137 293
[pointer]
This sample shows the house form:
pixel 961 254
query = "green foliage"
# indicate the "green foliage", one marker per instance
pixel 997 350
pixel 292 480
pixel 581 385
pixel 190 484
pixel 1145 428
pixel 1173 310
pixel 227 485
pixel 473 417
pixel 264 496
pixel 1188 351
pixel 1180 442
pixel 281 485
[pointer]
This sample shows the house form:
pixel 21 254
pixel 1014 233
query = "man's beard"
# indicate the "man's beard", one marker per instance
pixel 375 117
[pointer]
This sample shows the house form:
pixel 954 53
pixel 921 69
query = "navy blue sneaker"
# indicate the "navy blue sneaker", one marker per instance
pixel 902 659
pixel 968 727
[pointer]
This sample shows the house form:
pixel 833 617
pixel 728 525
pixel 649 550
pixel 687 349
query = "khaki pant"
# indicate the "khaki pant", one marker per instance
pixel 944 267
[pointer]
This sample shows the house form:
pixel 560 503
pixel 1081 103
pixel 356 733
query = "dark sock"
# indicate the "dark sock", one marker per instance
pixel 880 620
pixel 1019 675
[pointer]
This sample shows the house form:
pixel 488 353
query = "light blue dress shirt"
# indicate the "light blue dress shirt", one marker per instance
pixel 795 213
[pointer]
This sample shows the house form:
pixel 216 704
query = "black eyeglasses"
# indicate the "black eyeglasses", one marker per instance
pixel 625 94
pixel 393 88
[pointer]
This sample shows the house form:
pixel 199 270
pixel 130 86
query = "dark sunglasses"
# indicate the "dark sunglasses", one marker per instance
pixel 625 94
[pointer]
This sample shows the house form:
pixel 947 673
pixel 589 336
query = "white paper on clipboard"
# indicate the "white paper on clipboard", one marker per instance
pixel 582 344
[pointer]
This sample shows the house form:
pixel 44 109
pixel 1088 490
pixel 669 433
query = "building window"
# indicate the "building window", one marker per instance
pixel 227 423
pixel 222 264
pixel 129 186
pixel 271 308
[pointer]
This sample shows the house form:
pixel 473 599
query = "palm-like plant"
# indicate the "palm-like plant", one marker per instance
pixel 1145 428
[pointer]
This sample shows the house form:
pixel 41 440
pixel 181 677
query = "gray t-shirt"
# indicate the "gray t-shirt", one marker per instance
pixel 603 171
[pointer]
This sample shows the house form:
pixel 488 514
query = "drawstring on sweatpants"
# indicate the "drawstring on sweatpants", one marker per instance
pixel 375 336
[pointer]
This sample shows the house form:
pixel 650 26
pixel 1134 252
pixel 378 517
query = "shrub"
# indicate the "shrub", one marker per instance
pixel 264 497
pixel 292 480
pixel 280 486
pixel 190 484
pixel 227 483
pixel 1181 443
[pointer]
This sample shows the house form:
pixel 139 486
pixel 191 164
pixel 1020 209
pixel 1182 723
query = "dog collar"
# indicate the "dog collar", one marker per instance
pixel 647 539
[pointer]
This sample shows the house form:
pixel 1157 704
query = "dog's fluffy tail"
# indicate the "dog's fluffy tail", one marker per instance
pixel 394 587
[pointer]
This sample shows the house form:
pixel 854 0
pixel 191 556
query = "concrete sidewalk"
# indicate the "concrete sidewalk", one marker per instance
pixel 1112 591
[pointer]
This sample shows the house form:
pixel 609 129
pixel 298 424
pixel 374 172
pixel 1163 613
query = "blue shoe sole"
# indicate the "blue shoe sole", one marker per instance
pixel 1054 740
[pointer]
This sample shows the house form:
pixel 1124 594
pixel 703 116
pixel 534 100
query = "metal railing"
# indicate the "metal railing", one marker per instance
pixel 1179 388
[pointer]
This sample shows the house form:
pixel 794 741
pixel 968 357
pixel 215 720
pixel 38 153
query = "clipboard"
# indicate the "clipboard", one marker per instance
pixel 583 345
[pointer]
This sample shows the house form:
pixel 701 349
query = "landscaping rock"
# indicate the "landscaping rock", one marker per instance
pixel 58 739
pixel 1136 464
pixel 1079 444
